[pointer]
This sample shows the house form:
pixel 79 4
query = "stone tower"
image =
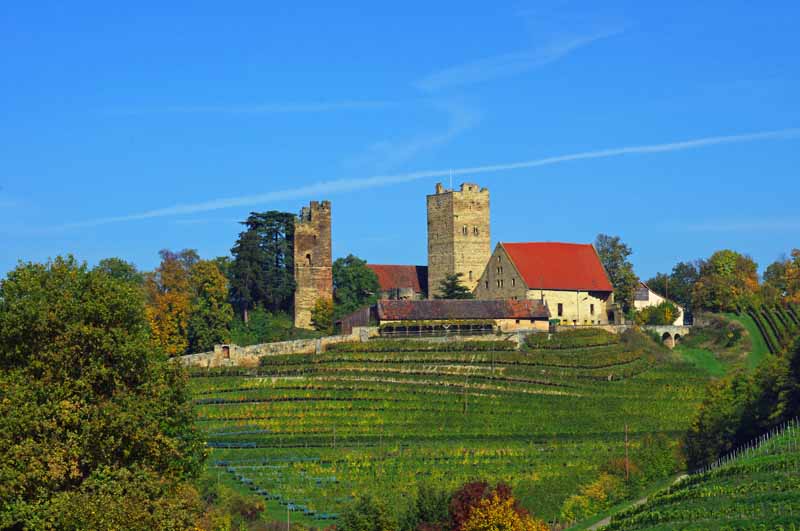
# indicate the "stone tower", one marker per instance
pixel 313 272
pixel 458 234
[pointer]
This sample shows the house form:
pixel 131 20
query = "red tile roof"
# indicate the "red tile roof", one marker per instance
pixel 428 310
pixel 559 266
pixel 401 276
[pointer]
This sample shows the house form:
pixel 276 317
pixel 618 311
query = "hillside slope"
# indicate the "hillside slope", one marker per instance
pixel 758 490
pixel 310 432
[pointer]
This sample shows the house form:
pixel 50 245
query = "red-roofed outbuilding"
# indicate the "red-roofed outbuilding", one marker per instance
pixel 401 281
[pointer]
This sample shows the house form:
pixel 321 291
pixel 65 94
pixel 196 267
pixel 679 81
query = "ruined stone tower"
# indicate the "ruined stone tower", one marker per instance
pixel 458 234
pixel 313 272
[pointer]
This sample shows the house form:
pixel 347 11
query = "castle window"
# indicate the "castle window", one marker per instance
pixel 591 309
pixel 513 281
pixel 498 270
pixel 487 284
pixel 475 231
pixel 560 309
pixel 464 230
pixel 501 282
pixel 308 259
pixel 470 275
pixel 498 283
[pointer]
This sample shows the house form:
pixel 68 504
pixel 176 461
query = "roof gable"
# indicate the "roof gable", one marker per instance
pixel 401 276
pixel 559 266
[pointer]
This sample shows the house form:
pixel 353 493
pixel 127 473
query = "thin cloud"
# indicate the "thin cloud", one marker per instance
pixel 385 154
pixel 348 185
pixel 773 225
pixel 508 64
pixel 265 108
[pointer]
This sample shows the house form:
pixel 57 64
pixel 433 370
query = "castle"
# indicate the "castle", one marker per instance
pixel 566 278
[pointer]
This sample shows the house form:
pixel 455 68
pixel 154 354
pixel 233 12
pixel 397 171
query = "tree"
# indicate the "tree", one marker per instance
pixel 210 315
pixel 354 285
pixel 322 315
pixel 661 314
pixel 614 256
pixel 496 514
pixel 262 272
pixel 169 299
pixel 452 288
pixel 366 514
pixel 429 510
pixel 775 275
pixel 96 426
pixel 728 281
pixel 793 277
pixel 678 285
pixel 121 270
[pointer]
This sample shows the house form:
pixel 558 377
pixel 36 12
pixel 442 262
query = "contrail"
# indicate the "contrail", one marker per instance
pixel 345 185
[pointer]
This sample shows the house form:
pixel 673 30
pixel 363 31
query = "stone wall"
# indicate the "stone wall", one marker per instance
pixel 236 356
pixel 459 239
pixel 313 272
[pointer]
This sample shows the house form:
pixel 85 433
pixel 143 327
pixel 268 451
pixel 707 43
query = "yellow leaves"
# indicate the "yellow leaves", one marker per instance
pixel 494 514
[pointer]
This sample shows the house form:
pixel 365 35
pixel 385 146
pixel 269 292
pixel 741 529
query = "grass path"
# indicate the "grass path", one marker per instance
pixel 758 346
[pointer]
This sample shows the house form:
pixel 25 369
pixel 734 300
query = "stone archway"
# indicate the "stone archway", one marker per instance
pixel 678 339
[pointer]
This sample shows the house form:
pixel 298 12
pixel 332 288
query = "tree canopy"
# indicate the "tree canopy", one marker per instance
pixel 678 285
pixel 614 256
pixel 727 281
pixel 95 425
pixel 354 285
pixel 262 272
pixel 451 287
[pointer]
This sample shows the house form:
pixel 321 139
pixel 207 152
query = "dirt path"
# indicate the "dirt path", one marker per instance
pixel 607 520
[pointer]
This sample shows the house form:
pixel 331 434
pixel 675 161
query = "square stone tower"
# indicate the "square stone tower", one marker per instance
pixel 313 268
pixel 458 234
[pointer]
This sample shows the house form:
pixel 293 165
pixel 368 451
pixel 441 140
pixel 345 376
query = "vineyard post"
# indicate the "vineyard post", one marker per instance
pixel 627 462
pixel 288 518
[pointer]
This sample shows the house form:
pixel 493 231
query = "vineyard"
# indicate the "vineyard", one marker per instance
pixel 778 324
pixel 309 432
pixel 759 489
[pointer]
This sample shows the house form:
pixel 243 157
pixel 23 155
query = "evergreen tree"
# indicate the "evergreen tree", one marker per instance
pixel 262 272
pixel 452 288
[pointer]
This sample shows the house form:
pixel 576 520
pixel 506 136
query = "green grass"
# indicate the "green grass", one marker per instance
pixel 758 348
pixel 760 490
pixel 703 359
pixel 319 430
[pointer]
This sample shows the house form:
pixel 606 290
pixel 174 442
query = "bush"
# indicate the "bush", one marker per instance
pixel 661 314
pixel 581 337
pixel 366 514
pixel 411 345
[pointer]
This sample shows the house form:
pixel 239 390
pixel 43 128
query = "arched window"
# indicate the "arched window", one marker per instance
pixel 464 230
pixel 470 275
pixel 308 259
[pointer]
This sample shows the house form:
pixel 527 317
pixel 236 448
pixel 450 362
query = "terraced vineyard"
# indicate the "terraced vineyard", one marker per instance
pixel 760 490
pixel 309 432
pixel 778 324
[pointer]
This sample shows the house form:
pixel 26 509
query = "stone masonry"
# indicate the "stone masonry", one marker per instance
pixel 458 234
pixel 313 272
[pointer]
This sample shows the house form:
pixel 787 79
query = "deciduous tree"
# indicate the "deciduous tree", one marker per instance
pixel 728 280
pixel 169 299
pixel 354 285
pixel 96 427
pixel 210 314
pixel 614 256
pixel 322 315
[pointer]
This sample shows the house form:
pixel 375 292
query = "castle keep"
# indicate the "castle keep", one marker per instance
pixel 458 234
pixel 313 272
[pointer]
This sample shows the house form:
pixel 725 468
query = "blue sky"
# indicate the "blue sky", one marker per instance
pixel 128 129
